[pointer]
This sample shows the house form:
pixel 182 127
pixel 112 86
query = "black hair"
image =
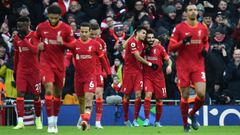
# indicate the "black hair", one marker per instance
pixel 151 31
pixel 94 26
pixel 54 9
pixel 23 19
pixel 85 24
pixel 139 28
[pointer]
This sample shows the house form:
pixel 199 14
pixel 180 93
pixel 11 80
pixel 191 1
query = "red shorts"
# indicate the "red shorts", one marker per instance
pixel 28 83
pixel 187 75
pixel 156 87
pixel 132 82
pixel 100 80
pixel 53 75
pixel 82 87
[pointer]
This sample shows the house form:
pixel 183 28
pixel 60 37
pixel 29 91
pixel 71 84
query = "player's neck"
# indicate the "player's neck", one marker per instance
pixel 137 38
pixel 192 22
pixel 85 40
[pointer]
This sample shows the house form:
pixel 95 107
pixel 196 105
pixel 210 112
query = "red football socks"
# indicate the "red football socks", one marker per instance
pixel 20 106
pixel 159 106
pixel 184 110
pixel 99 109
pixel 137 107
pixel 57 104
pixel 147 104
pixel 197 105
pixel 49 105
pixel 85 117
pixel 125 108
pixel 37 107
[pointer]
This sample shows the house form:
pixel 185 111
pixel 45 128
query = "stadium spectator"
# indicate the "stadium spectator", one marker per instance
pixel 232 80
pixel 76 10
pixel 117 69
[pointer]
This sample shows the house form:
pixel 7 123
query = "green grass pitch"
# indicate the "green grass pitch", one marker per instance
pixel 122 130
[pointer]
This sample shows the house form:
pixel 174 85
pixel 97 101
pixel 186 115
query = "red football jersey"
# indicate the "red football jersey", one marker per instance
pixel 104 47
pixel 53 53
pixel 85 56
pixel 189 55
pixel 156 56
pixel 26 54
pixel 132 65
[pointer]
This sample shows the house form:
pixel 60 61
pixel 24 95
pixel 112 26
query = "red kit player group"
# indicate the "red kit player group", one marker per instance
pixel 39 59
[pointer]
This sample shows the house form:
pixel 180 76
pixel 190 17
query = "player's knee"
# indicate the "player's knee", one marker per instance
pixel 148 95
pixel 138 95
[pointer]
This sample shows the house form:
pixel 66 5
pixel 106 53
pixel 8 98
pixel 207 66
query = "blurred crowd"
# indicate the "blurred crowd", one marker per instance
pixel 118 19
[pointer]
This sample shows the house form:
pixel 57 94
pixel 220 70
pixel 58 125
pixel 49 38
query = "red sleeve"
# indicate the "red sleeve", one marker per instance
pixel 103 58
pixel 38 33
pixel 132 46
pixel 32 44
pixel 68 58
pixel 164 54
pixel 16 53
pixel 175 41
pixel 70 40
pixel 205 40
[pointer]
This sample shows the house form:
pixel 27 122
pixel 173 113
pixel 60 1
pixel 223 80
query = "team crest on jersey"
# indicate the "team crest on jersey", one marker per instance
pixel 154 51
pixel 199 33
pixel 90 48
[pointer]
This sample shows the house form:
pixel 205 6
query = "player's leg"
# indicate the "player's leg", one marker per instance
pixel 198 78
pixel 184 106
pixel 47 77
pixel 200 88
pixel 99 106
pixel 21 90
pixel 89 92
pixel 36 87
pixel 160 93
pixel 81 100
pixel 126 90
pixel 183 84
pixel 78 88
pixel 138 85
pixel 147 107
pixel 148 88
pixel 59 78
pixel 159 106
pixel 49 105
pixel 88 109
pixel 99 101
pixel 20 109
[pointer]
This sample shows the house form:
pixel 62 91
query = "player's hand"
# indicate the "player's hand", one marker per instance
pixel 41 46
pixel 109 79
pixel 148 50
pixel 187 40
pixel 21 34
pixel 169 70
pixel 154 66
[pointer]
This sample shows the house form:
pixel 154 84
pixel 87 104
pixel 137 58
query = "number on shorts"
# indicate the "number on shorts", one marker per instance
pixel 203 75
pixel 141 84
pixel 164 91
pixel 91 84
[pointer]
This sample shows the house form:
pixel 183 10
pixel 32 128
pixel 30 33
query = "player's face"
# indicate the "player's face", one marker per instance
pixel 192 12
pixel 142 34
pixel 94 33
pixel 84 33
pixel 150 39
pixel 54 19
